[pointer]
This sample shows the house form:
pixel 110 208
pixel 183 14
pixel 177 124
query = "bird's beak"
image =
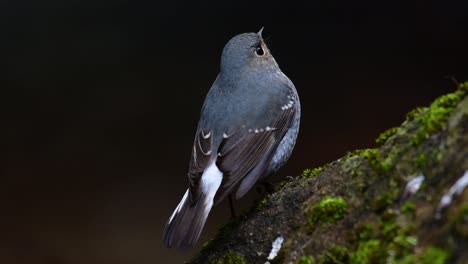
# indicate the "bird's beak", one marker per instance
pixel 260 32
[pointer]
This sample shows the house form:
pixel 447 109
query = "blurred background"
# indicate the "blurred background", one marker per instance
pixel 99 101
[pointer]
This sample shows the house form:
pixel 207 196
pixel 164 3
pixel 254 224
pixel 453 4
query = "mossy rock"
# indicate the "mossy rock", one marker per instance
pixel 355 209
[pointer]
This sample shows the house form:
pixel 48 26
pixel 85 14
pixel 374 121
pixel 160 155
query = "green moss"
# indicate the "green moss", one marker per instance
pixel 230 258
pixel 382 201
pixel 434 117
pixel 433 255
pixel 388 234
pixel 262 204
pixel 370 251
pixel 328 210
pixel 283 183
pixel 375 160
pixel 311 173
pixel 365 232
pixel 463 212
pixel 405 241
pixel 306 260
pixel 225 229
pixel 408 207
pixel 421 160
pixel 337 254
pixel 459 220
pixel 354 153
pixel 413 114
pixel 389 229
pixel 382 138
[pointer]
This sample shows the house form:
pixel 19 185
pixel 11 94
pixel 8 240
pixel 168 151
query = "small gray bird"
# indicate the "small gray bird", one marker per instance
pixel 247 130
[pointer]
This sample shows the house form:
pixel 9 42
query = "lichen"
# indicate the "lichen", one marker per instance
pixel 230 258
pixel 328 210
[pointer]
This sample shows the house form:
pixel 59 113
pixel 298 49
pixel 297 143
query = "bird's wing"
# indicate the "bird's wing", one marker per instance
pixel 239 155
pixel 202 153
pixel 241 149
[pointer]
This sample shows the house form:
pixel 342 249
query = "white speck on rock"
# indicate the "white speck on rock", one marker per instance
pixel 456 189
pixel 413 185
pixel 275 247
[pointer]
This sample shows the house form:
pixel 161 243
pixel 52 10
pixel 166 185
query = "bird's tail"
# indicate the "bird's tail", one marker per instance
pixel 188 219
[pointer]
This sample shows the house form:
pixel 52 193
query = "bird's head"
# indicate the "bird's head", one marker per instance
pixel 246 51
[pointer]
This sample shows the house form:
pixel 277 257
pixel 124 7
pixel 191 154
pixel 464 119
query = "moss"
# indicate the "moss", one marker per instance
pixel 369 251
pixel 306 260
pixel 421 160
pixel 354 153
pixel 413 114
pixel 375 160
pixel 381 202
pixel 382 138
pixel 283 183
pixel 230 258
pixel 375 231
pixel 365 232
pixel 434 118
pixel 408 207
pixel 389 229
pixel 405 241
pixel 388 234
pixel 225 229
pixel 337 254
pixel 311 173
pixel 262 204
pixel 459 220
pixel 433 255
pixel 328 210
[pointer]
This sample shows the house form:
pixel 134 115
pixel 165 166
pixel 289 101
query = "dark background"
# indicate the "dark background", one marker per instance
pixel 100 99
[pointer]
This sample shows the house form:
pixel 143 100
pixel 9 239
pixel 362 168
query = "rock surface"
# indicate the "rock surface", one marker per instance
pixel 361 209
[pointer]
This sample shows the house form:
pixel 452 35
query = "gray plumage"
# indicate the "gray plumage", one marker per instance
pixel 247 130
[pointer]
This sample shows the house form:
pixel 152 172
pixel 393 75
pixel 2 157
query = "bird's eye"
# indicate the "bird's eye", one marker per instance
pixel 259 51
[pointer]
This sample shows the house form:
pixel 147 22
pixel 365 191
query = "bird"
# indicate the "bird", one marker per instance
pixel 248 126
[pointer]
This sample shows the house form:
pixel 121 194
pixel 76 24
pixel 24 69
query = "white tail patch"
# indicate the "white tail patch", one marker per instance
pixel 210 182
pixel 186 222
